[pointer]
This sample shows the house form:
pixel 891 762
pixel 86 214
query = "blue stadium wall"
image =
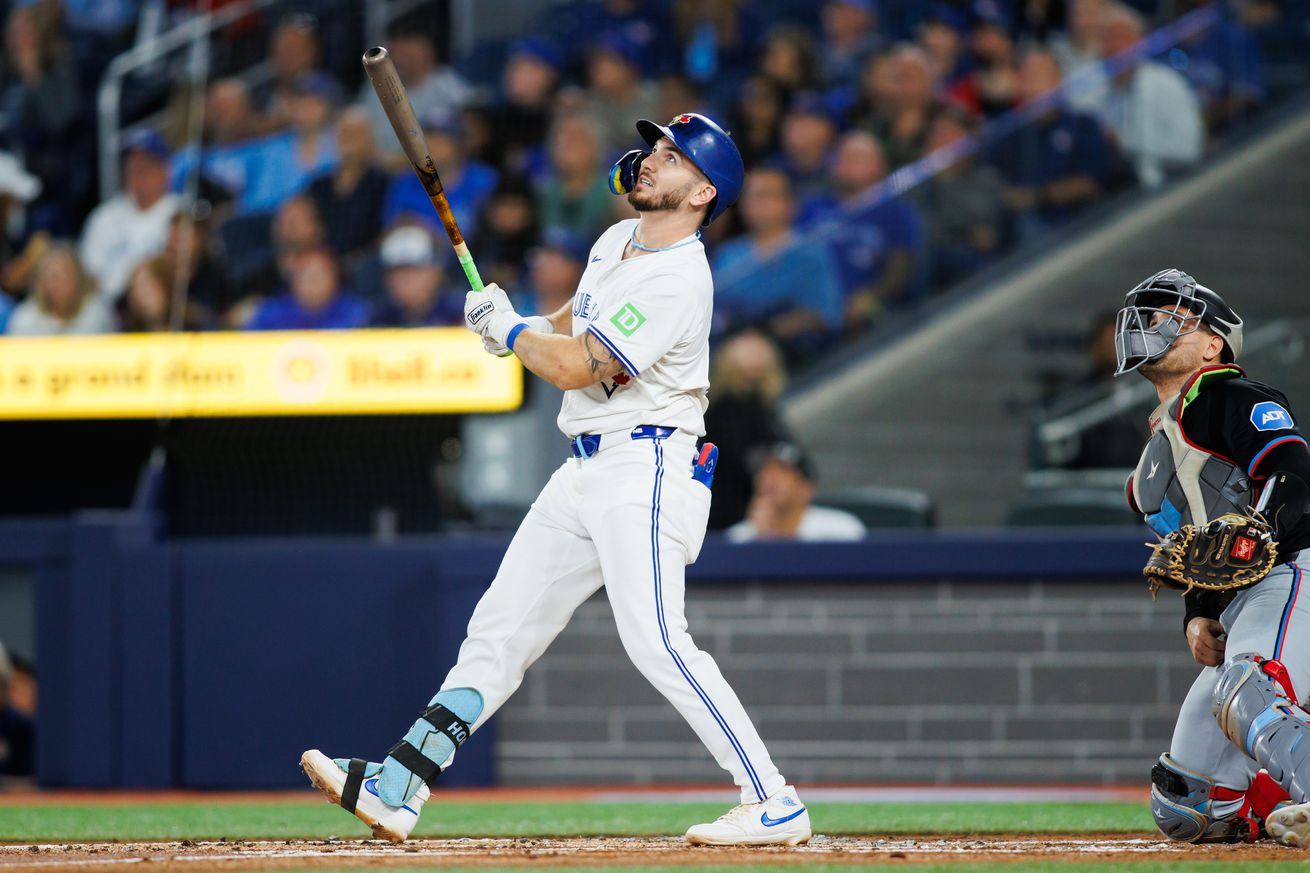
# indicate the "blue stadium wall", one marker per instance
pixel 214 663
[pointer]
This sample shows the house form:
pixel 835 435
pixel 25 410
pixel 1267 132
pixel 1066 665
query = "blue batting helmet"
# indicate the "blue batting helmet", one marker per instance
pixel 709 147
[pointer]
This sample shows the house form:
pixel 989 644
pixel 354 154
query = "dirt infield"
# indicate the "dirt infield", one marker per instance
pixel 240 855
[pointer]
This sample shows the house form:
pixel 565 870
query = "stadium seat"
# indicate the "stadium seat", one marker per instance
pixel 1071 507
pixel 882 507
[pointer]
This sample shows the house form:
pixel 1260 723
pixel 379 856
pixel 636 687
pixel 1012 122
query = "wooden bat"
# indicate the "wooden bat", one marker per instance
pixel 395 102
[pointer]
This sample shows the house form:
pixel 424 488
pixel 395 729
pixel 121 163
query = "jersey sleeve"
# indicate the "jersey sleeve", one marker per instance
pixel 1259 428
pixel 647 322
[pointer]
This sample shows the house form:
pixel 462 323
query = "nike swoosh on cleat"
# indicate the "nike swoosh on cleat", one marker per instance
pixel 595 259
pixel 372 786
pixel 774 822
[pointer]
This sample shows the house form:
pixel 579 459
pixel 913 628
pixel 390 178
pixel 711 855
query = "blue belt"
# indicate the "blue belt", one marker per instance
pixel 587 444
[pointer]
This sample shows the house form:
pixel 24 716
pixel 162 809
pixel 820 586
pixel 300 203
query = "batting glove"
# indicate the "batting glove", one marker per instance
pixel 623 176
pixel 489 313
pixel 539 323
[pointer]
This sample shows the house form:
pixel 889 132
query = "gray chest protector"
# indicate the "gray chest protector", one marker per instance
pixel 1177 482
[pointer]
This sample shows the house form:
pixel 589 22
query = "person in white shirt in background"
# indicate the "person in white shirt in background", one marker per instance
pixel 781 508
pixel 132 225
pixel 63 299
pixel 1148 107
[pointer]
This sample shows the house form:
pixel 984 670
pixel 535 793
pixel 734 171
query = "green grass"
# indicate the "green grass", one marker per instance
pixel 78 822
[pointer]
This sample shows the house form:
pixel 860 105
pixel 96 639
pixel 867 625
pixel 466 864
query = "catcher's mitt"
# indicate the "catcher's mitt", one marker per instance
pixel 1232 551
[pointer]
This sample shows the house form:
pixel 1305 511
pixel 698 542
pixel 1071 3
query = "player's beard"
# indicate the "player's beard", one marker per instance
pixel 1173 363
pixel 649 200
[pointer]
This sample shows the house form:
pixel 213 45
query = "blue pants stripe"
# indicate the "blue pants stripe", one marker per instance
pixel 664 631
pixel 1287 612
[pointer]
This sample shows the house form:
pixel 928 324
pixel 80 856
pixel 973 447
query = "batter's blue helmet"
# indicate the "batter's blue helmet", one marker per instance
pixel 709 147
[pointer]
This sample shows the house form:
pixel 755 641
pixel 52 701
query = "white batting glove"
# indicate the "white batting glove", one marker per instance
pixel 539 323
pixel 489 313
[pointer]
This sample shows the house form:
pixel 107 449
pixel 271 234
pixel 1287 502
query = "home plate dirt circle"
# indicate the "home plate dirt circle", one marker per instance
pixel 199 856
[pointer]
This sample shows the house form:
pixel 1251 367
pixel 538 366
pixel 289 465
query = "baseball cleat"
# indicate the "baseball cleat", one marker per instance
pixel 1290 825
pixel 352 785
pixel 780 820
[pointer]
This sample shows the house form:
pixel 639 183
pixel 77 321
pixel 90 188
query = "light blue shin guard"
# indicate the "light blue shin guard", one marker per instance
pixel 429 745
pixel 1257 717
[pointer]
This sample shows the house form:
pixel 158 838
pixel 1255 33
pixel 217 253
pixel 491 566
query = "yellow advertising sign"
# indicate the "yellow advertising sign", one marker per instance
pixel 352 372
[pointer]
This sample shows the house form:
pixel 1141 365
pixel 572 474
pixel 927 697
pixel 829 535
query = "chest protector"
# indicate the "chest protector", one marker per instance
pixel 1178 482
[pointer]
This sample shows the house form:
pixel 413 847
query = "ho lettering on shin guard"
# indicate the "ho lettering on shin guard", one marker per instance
pixel 1258 715
pixel 1191 808
pixel 430 744
pixel 441 720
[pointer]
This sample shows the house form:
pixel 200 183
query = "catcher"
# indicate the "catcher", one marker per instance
pixel 1223 481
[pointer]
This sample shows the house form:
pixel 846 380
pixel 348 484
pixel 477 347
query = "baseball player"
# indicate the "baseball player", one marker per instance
pixel 627 512
pixel 1222 447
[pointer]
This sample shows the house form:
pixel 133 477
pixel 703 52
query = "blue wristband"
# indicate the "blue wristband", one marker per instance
pixel 514 334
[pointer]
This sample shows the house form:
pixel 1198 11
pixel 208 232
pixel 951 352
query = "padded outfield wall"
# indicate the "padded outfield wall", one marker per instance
pixel 984 656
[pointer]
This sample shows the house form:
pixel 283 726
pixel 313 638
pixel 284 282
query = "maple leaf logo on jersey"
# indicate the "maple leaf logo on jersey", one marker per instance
pixel 622 378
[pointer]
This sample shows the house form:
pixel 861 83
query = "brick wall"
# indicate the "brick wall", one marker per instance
pixel 928 682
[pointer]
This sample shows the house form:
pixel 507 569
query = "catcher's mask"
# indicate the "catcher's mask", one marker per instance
pixel 1137 342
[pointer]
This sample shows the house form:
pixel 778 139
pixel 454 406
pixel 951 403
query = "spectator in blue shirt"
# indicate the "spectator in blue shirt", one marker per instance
pixel 878 247
pixel 770 278
pixel 262 173
pixel 283 165
pixel 1224 67
pixel 468 183
pixel 314 300
pixel 1056 165
pixel 414 281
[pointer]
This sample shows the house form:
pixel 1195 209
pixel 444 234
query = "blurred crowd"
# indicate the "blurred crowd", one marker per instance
pixel 295 209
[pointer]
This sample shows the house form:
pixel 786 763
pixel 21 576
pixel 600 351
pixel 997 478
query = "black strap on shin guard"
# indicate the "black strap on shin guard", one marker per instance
pixel 1168 781
pixel 444 722
pixel 354 779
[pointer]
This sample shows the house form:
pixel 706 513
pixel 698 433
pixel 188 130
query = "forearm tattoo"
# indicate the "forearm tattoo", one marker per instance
pixel 600 360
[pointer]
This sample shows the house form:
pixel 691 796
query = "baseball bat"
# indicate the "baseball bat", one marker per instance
pixel 395 102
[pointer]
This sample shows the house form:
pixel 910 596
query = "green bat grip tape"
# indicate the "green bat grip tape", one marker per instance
pixel 471 271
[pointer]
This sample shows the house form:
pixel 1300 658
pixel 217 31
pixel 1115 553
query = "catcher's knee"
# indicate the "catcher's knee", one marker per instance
pixel 1256 708
pixel 1189 807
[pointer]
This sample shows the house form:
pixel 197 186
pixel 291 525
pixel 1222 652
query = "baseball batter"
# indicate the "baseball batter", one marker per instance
pixel 627 512
pixel 1222 443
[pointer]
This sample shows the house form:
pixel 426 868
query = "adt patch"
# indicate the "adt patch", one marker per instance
pixel 1270 416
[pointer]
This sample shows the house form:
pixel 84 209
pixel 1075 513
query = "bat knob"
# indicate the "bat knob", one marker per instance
pixel 375 55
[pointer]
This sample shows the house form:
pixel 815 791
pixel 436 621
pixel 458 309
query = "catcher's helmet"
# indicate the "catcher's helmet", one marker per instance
pixel 709 147
pixel 1136 341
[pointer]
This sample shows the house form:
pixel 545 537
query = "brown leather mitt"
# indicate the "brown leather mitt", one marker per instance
pixel 1230 552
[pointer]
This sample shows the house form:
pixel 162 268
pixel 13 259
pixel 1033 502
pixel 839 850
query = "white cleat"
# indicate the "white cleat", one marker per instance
pixel 1290 825
pixel 388 822
pixel 782 820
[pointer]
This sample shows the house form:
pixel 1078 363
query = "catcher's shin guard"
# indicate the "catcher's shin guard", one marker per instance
pixel 1190 808
pixel 1261 717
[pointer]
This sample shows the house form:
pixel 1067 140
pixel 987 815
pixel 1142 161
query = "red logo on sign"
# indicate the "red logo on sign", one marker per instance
pixel 1243 548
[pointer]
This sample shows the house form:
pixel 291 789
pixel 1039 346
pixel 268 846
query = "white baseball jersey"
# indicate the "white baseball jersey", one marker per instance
pixel 653 313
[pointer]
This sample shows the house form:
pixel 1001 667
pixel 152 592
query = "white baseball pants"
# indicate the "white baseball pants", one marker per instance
pixel 629 518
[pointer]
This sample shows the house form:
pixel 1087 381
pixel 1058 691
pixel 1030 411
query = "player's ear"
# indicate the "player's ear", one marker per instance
pixel 703 195
pixel 1214 350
